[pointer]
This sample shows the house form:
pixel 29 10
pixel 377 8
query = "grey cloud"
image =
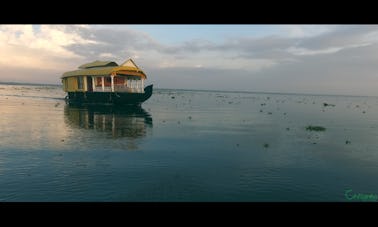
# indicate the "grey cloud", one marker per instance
pixel 276 47
pixel 348 71
pixel 259 44
pixel 340 36
pixel 247 47
pixel 192 46
pixel 272 47
pixel 93 51
pixel 123 42
pixel 116 42
pixel 119 42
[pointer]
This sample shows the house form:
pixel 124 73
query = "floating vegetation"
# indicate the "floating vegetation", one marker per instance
pixel 363 111
pixel 266 145
pixel 190 117
pixel 270 113
pixel 173 97
pixel 261 111
pixel 347 142
pixel 327 104
pixel 315 128
pixel 287 129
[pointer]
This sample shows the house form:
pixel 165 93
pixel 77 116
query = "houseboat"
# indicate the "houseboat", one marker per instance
pixel 106 82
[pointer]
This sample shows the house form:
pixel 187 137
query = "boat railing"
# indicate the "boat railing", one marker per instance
pixel 99 89
pixel 122 88
pixel 119 88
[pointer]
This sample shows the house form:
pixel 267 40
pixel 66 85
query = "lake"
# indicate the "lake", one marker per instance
pixel 187 145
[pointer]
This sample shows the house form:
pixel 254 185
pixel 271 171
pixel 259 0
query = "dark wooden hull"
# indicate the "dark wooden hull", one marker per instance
pixel 109 98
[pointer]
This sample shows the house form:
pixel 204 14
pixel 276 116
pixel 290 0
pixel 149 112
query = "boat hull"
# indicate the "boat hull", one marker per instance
pixel 109 98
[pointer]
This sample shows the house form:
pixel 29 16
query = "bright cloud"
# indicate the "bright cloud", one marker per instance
pixel 45 48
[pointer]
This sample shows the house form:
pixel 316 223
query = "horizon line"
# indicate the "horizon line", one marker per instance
pixel 204 90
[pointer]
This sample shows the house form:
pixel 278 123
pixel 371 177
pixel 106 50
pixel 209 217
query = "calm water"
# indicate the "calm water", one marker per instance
pixel 186 146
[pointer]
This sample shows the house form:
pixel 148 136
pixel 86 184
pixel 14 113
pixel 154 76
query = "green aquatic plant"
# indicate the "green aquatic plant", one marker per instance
pixel 327 104
pixel 266 145
pixel 315 128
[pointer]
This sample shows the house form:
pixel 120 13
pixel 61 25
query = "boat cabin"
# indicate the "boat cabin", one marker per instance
pixel 105 76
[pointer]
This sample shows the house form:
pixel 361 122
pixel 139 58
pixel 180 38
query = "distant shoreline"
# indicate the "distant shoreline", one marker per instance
pixel 24 83
pixel 201 90
pixel 263 92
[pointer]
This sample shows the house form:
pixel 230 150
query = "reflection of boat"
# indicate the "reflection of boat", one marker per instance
pixel 116 121
pixel 106 82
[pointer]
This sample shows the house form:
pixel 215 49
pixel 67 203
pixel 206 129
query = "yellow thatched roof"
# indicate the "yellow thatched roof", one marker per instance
pixel 98 64
pixel 105 68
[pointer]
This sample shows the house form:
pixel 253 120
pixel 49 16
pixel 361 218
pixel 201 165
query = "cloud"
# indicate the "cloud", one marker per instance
pixel 348 71
pixel 341 36
pixel 318 65
pixel 299 58
pixel 43 48
pixel 120 43
pixel 302 31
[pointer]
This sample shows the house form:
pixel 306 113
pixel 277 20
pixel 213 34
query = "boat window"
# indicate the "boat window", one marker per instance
pixel 119 80
pixel 80 82
pixel 98 82
pixel 108 81
pixel 65 82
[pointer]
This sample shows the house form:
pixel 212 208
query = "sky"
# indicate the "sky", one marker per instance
pixel 312 59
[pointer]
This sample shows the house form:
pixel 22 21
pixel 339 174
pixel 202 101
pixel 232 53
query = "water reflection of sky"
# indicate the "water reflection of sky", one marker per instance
pixel 28 123
pixel 190 146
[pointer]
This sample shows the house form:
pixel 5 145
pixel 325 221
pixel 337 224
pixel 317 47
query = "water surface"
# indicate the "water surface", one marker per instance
pixel 186 146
